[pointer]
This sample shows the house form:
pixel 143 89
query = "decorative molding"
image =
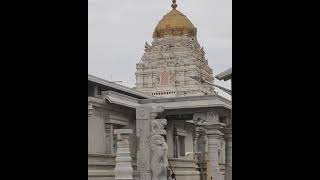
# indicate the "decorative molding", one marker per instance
pixel 190 102
pixel 120 99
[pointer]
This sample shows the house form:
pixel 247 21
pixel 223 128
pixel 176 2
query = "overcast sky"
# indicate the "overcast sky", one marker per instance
pixel 118 30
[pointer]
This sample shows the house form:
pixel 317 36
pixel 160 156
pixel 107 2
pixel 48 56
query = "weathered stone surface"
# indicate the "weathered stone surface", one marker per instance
pixel 152 155
pixel 228 139
pixel 96 130
pixel 159 157
pixel 166 67
pixel 159 149
pixel 123 169
pixel 158 125
pixel 143 135
pixel 214 135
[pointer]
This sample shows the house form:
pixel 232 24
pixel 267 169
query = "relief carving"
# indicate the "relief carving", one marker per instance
pixel 159 160
pixel 164 78
pixel 158 125
pixel 172 78
pixel 159 150
pixel 167 78
pixel 143 153
pixel 156 80
pixel 147 47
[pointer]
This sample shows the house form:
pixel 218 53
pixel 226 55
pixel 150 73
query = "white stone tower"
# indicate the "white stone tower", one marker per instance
pixel 173 56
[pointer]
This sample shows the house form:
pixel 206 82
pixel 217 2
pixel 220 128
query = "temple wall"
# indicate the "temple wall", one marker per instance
pixel 185 169
pixel 106 117
pixel 101 141
pixel 96 134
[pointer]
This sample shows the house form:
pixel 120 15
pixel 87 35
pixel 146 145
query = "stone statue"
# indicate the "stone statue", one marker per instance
pixel 158 125
pixel 147 46
pixel 159 157
pixel 202 52
pixel 159 149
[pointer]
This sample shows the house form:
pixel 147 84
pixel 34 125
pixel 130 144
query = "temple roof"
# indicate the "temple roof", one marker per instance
pixel 189 102
pixel 174 23
pixel 117 87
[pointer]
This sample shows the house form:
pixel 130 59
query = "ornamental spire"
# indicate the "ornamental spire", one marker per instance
pixel 174 5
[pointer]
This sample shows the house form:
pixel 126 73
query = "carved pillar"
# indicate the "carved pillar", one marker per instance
pixel 123 169
pixel 143 133
pixel 170 139
pixel 195 137
pixel 90 114
pixel 214 135
pixel 202 141
pixel 228 139
pixel 95 91
pixel 109 138
pixel 144 116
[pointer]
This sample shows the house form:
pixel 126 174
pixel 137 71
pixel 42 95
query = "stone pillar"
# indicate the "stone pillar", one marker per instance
pixel 123 169
pixel 195 137
pixel 202 141
pixel 96 132
pixel 90 114
pixel 228 139
pixel 144 115
pixel 214 135
pixel 143 133
pixel 95 91
pixel 170 139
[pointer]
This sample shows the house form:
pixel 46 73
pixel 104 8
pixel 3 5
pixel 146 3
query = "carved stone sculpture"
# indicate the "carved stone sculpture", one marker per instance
pixel 159 150
pixel 158 125
pixel 147 127
pixel 159 157
pixel 147 46
pixel 172 78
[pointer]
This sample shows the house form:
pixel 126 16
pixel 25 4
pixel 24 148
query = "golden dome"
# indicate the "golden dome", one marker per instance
pixel 176 24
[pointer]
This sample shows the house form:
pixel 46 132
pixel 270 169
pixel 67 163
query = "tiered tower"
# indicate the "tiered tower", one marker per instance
pixel 173 56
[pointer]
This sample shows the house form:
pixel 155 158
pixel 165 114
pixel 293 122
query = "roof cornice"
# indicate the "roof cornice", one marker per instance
pixel 116 86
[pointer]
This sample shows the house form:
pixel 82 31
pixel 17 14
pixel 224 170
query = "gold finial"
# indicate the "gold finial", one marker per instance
pixel 174 5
